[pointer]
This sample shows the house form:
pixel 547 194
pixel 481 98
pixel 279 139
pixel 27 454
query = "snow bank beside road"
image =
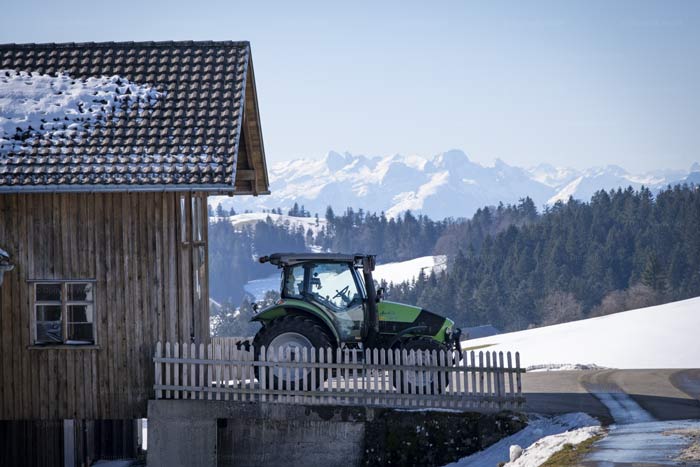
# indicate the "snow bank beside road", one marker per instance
pixel 663 336
pixel 538 437
pixel 543 449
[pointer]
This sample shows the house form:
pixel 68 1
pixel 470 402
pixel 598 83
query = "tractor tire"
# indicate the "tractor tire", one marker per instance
pixel 421 382
pixel 295 332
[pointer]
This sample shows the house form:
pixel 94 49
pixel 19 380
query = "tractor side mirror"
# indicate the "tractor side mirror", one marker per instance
pixel 380 294
pixel 256 307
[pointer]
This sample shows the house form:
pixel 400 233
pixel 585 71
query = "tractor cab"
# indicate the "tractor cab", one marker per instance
pixel 336 285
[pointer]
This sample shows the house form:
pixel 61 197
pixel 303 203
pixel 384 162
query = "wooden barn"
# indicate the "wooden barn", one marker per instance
pixel 108 152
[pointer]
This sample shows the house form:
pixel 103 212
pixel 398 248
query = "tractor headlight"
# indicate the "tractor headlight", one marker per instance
pixel 448 332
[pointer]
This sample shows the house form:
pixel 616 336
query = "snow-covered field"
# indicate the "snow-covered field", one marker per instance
pixel 663 336
pixel 541 438
pixel 258 287
pixel 390 272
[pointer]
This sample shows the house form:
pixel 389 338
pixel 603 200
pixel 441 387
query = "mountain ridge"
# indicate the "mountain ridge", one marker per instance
pixel 448 184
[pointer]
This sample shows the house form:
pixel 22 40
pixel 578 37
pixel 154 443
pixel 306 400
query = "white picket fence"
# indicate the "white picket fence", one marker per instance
pixel 480 381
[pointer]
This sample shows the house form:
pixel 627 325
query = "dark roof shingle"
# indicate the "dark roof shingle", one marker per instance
pixel 186 138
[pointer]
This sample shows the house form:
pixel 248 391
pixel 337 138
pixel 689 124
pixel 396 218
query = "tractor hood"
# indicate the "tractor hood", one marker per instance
pixel 396 318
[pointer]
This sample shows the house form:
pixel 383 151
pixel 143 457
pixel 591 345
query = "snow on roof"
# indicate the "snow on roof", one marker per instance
pixel 59 108
pixel 150 115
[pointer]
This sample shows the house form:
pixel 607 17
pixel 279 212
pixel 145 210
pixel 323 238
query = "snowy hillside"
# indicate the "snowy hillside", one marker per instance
pixel 390 272
pixel 663 336
pixel 447 185
pixel 250 219
pixel 408 270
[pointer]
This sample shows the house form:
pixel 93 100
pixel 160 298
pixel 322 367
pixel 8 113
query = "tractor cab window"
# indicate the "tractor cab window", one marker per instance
pixel 333 284
pixel 294 282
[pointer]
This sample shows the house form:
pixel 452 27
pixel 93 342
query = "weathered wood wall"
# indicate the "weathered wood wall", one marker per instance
pixel 132 245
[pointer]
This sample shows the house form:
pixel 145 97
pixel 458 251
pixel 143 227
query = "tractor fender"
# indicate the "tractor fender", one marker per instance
pixel 403 333
pixel 298 307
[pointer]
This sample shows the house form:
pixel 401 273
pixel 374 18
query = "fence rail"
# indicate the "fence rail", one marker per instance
pixel 482 381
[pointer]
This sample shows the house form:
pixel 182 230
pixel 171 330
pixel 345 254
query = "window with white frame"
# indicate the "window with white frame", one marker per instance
pixel 64 313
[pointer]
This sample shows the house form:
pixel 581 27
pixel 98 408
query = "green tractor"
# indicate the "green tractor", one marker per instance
pixel 330 300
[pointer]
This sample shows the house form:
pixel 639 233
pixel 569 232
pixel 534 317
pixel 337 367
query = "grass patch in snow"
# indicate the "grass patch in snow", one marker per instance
pixel 571 454
pixel 477 347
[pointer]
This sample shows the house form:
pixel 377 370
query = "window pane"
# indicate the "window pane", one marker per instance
pixel 48 292
pixel 334 285
pixel 80 313
pixel 80 334
pixel 49 332
pixel 48 313
pixel 294 282
pixel 80 292
pixel 183 219
pixel 196 218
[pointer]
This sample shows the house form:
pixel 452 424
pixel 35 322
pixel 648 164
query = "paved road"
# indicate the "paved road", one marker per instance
pixel 645 410
pixel 666 394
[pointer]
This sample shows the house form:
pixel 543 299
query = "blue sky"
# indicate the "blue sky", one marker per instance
pixel 570 83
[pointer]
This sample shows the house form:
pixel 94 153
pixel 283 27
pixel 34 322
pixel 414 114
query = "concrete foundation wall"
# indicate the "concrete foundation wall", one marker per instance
pixel 227 433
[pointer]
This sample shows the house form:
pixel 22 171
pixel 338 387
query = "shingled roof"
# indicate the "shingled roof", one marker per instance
pixel 128 116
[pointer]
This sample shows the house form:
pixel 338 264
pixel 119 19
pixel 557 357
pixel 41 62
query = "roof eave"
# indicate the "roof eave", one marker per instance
pixel 214 189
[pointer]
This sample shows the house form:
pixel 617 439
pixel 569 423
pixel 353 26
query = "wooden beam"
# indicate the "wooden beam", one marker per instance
pixel 246 175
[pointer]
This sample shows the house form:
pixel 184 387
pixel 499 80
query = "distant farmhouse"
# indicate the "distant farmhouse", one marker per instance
pixel 108 152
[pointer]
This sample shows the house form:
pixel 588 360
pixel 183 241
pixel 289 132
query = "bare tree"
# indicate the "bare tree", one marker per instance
pixel 560 307
pixel 637 296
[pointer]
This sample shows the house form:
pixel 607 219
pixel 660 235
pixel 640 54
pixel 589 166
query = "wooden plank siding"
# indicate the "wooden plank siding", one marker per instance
pixel 130 245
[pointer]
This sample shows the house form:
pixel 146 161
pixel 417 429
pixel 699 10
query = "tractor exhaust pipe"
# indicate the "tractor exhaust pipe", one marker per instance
pixel 368 263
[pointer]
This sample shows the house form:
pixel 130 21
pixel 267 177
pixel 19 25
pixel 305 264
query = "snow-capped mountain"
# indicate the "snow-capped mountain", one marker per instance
pixel 446 185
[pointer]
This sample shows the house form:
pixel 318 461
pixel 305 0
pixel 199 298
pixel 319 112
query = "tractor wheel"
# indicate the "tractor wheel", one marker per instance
pixel 417 382
pixel 292 332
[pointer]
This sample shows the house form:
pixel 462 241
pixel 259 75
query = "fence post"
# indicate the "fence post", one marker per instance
pixel 193 370
pixel 391 376
pixel 329 360
pixel 356 378
pixel 249 356
pixel 262 372
pixel 217 371
pixel 517 375
pixel 457 375
pixel 314 371
pixel 225 355
pixel 322 374
pixel 482 374
pixel 511 391
pixel 304 373
pixel 340 379
pixel 176 370
pixel 384 384
pixel 185 356
pixel 168 393
pixel 375 376
pixel 472 359
pixel 489 378
pixel 157 376
pixel 444 378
